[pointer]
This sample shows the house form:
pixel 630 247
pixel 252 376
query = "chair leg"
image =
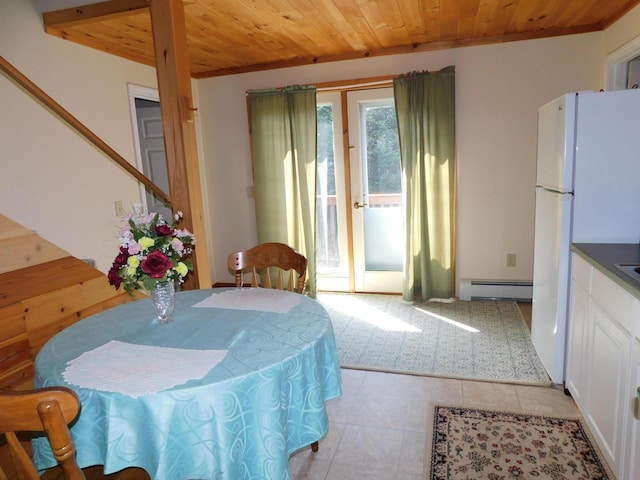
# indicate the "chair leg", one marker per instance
pixel 314 447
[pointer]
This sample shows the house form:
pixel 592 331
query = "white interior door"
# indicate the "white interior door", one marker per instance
pixel 149 140
pixel 154 163
pixel 376 191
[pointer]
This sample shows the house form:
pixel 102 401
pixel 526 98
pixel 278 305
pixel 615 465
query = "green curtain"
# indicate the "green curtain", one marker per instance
pixel 283 140
pixel 425 107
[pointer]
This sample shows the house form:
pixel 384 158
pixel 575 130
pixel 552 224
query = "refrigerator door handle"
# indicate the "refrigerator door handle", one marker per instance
pixel 553 190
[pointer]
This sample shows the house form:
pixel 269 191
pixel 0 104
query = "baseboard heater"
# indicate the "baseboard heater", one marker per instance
pixel 502 289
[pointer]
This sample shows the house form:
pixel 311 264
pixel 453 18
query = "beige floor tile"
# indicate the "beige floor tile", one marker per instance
pixel 368 447
pixel 340 471
pixel 419 416
pixel 440 390
pixel 339 409
pixel 308 468
pixel 379 427
pixel 351 380
pixel 327 446
pixel 409 476
pixel 412 454
pixel 390 384
pixel 490 395
pixel 385 410
pixel 546 400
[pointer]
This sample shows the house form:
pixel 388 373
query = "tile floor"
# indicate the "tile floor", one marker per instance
pixel 378 428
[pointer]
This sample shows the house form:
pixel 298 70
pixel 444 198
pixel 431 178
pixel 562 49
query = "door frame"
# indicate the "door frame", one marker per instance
pixel 338 97
pixel 616 64
pixel 144 93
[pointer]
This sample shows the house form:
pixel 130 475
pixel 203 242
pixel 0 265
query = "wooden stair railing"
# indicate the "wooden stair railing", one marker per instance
pixel 14 74
pixel 190 203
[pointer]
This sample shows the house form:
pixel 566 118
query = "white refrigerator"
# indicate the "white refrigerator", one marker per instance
pixel 587 191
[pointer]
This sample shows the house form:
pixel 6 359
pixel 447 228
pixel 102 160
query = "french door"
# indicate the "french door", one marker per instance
pixel 369 215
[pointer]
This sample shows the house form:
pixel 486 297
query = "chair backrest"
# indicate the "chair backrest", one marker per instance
pixel 47 410
pixel 264 260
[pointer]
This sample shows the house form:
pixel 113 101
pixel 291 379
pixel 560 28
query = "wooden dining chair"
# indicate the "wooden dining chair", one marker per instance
pixel 47 410
pixel 269 260
pixel 266 259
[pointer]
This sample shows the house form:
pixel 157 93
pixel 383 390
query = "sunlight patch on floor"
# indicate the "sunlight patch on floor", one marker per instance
pixel 449 321
pixel 373 316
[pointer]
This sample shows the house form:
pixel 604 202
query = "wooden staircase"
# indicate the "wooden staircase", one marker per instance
pixel 43 289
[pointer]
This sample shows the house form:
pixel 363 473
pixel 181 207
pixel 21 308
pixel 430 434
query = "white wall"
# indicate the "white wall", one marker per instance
pixel 498 91
pixel 52 180
pixel 623 31
pixel 56 183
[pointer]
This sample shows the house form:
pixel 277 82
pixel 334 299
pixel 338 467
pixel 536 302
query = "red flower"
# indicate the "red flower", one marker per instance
pixel 122 257
pixel 156 264
pixel 120 260
pixel 114 276
pixel 164 230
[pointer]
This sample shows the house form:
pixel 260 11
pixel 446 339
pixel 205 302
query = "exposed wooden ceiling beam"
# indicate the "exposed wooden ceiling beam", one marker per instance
pixel 95 12
pixel 61 23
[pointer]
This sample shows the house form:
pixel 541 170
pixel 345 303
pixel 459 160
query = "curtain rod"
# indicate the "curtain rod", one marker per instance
pixel 355 84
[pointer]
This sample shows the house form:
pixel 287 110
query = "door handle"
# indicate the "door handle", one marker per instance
pixel 357 205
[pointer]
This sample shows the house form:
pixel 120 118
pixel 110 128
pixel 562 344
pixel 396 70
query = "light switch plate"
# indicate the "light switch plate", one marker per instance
pixel 119 208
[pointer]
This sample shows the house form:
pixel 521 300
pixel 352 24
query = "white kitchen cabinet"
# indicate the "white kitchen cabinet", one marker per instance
pixel 632 465
pixel 602 365
pixel 607 373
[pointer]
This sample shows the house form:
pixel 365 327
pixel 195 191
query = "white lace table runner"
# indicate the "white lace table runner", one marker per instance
pixel 259 299
pixel 137 370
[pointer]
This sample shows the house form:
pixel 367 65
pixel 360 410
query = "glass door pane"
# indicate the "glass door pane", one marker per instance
pixel 382 187
pixel 376 189
pixel 332 256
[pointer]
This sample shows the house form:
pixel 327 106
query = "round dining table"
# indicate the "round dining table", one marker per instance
pixel 230 388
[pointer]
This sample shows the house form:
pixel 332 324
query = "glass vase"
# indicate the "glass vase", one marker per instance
pixel 163 297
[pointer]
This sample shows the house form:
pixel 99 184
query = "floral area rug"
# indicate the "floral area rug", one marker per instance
pixel 469 443
pixel 477 340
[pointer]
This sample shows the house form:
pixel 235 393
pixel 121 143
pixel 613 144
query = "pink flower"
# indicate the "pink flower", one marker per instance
pixel 178 246
pixel 134 248
pixel 181 233
pixel 164 245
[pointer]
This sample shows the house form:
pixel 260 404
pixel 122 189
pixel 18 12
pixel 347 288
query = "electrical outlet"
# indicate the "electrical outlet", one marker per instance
pixel 250 192
pixel 119 208
pixel 511 259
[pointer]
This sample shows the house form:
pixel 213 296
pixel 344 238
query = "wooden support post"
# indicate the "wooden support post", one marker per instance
pixel 176 104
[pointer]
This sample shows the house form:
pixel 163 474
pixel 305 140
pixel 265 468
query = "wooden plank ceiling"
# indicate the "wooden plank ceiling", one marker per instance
pixel 235 36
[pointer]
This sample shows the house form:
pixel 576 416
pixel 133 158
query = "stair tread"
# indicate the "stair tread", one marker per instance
pixel 35 280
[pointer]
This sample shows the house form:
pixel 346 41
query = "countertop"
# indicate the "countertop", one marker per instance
pixel 604 257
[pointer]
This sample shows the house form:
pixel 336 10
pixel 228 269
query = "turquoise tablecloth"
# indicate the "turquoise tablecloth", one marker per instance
pixel 242 420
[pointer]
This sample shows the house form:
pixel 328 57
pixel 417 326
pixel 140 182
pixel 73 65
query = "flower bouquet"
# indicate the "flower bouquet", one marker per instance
pixel 152 252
